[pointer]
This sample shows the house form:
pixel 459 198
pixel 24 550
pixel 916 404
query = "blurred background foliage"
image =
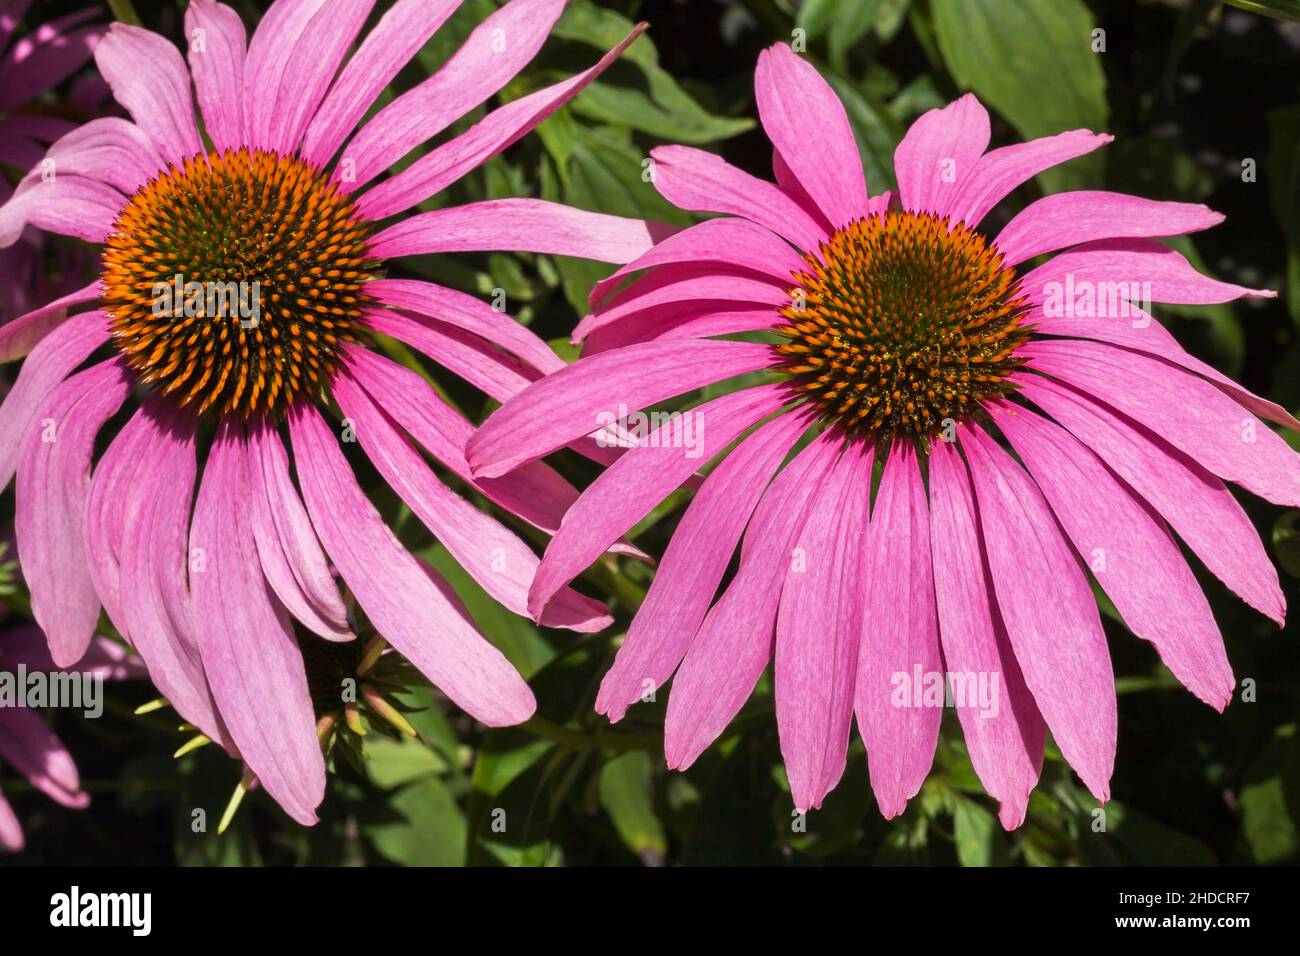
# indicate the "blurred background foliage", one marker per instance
pixel 1204 100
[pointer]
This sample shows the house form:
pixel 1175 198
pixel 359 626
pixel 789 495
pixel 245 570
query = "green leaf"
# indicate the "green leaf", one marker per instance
pixel 393 763
pixel 978 836
pixel 663 109
pixel 627 794
pixel 1286 541
pixel 1033 62
pixel 429 829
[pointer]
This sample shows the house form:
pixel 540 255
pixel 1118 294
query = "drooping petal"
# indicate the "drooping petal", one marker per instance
pixel 807 123
pixel 734 645
pixel 518 225
pixel 1129 550
pixel 217 64
pixel 672 291
pixel 673 320
pixel 68 204
pixel 467 312
pixel 11 831
pixel 1071 218
pixel 631 487
pixel 534 492
pixel 292 559
pixel 938 155
pixel 251 659
pixel 19 336
pixel 899 650
pixel 446 164
pixel 28 744
pixel 404 28
pixel 148 76
pixel 999 171
pixel 1193 415
pixel 577 401
pixel 818 631
pixel 703 182
pixel 110 150
pixel 692 568
pixel 1198 506
pixel 1003 729
pixel 154 610
pixel 1049 611
pixel 50 500
pixel 49 363
pixel 493 555
pixel 47 64
pixel 397 595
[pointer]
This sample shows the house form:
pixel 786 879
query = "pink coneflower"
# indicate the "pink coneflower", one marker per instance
pixel 26 742
pixel 30 66
pixel 207 586
pixel 1019 443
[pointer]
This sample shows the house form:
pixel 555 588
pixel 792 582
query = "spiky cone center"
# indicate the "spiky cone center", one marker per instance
pixel 900 323
pixel 234 280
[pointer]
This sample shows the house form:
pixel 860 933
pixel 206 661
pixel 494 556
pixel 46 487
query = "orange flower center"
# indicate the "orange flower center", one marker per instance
pixel 234 281
pixel 901 322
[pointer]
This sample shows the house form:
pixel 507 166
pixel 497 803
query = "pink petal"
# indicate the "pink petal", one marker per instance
pixel 149 77
pixel 1195 416
pixel 807 124
pixel 310 52
pixel 400 599
pixel 50 500
pixel 630 488
pixel 899 638
pixel 475 360
pixel 404 28
pixel 1141 333
pixel 11 831
pixel 702 182
pixel 292 560
pixel 33 750
pixel 818 631
pixel 1050 614
pixel 534 492
pixel 672 320
pixel 20 335
pixel 999 171
pixel 790 185
pixel 1004 738
pixel 733 646
pixel 69 205
pixel 50 362
pixel 466 312
pixel 692 568
pixel 249 653
pixel 727 241
pixel 110 150
pixel 517 225
pixel 1142 268
pixel 581 399
pixel 1130 551
pixel 677 289
pixel 1068 219
pixel 446 164
pixel 139 531
pixel 218 70
pixel 939 153
pixel 1198 506
pixel 496 50
pixel 494 556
